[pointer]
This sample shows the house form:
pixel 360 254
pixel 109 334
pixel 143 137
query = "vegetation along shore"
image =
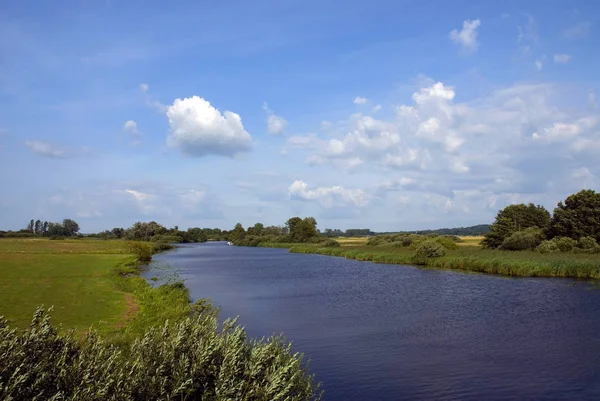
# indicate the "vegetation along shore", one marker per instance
pixel 524 240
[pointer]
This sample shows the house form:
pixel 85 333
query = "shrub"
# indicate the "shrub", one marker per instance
pixel 526 239
pixel 167 238
pixel 587 243
pixel 162 246
pixel 142 250
pixel 192 359
pixel 565 244
pixel 446 242
pixel 547 247
pixel 330 243
pixel 430 249
pixel 57 238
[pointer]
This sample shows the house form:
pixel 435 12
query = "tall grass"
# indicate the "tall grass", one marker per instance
pixel 192 359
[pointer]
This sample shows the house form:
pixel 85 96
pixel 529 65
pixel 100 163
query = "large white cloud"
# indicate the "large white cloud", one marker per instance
pixel 329 197
pixel 467 36
pixel 199 129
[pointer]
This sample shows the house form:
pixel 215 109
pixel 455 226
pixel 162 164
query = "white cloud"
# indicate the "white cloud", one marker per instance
pixel 578 31
pixel 131 128
pixel 561 58
pixel 199 129
pixel 144 87
pixel 538 64
pixel 51 150
pixel 359 100
pixel 467 37
pixel 329 197
pixel 275 124
pixel 376 108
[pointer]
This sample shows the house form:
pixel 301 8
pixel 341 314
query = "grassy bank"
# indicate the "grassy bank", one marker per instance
pixel 474 258
pixel 87 282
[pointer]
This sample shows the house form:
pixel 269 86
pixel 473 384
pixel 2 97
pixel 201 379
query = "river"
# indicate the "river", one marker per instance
pixel 388 332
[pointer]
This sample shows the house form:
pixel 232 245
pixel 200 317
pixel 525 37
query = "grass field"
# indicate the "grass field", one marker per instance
pixel 88 282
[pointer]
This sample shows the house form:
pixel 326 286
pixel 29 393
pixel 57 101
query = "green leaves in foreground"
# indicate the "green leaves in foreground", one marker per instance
pixel 190 360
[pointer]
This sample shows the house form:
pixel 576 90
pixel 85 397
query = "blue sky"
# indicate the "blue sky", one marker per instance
pixel 390 115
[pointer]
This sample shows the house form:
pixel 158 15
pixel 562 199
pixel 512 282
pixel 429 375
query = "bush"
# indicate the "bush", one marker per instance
pixel 330 243
pixel 167 238
pixel 430 249
pixel 446 242
pixel 162 246
pixel 523 240
pixel 547 247
pixel 57 238
pixel 565 244
pixel 587 243
pixel 142 250
pixel 192 359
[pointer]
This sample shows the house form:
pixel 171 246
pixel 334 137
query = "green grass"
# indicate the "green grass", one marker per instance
pixel 471 258
pixel 88 282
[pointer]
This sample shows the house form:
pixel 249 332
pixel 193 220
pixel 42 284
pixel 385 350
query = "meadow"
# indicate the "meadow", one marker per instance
pixel 88 283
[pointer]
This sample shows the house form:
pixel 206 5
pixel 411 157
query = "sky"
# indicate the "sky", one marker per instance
pixel 388 115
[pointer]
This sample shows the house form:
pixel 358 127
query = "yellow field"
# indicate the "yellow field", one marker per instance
pixel 352 241
pixel 470 240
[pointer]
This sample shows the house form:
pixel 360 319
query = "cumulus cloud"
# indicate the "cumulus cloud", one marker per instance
pixel 561 58
pixel 515 140
pixel 198 129
pixel 275 124
pixel 50 150
pixel 467 36
pixel 328 197
pixel 359 100
pixel 144 88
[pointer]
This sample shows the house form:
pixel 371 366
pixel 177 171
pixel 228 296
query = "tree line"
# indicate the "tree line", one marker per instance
pixel 576 221
pixel 39 228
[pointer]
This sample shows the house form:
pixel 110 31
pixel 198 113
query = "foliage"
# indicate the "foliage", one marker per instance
pixel 143 251
pixel 527 239
pixel 330 243
pixel 300 230
pixel 586 243
pixel 565 244
pixel 577 217
pixel 547 246
pixel 515 218
pixel 430 249
pixel 191 359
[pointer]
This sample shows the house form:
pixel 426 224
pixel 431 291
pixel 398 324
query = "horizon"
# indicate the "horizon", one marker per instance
pixel 389 116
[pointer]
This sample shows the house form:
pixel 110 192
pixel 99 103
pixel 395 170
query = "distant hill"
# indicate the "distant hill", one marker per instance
pixel 480 229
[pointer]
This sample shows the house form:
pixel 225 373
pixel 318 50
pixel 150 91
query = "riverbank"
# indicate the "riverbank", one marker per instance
pixel 471 258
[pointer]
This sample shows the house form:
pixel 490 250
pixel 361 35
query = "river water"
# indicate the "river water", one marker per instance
pixel 388 332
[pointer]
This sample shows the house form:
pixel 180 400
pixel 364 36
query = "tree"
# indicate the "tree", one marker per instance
pixel 37 229
pixel 45 228
pixel 238 233
pixel 257 229
pixel 515 218
pixel 301 229
pixel 70 227
pixel 30 226
pixel 577 217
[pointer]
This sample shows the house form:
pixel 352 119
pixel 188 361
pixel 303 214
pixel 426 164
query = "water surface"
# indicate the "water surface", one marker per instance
pixel 388 332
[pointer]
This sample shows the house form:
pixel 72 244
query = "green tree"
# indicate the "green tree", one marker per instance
pixel 300 230
pixel 70 227
pixel 30 226
pixel 577 217
pixel 37 229
pixel 238 233
pixel 515 218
